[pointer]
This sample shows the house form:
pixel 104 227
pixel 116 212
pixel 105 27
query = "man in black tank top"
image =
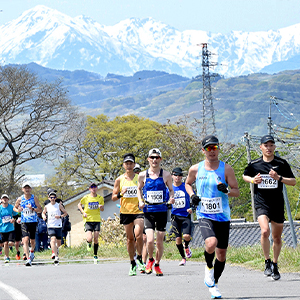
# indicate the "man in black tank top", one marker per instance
pixel 268 173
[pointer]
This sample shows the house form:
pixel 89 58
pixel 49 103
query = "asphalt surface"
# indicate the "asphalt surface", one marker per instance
pixel 110 280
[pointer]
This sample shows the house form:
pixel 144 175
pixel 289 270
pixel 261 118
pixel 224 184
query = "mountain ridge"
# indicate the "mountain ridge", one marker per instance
pixel 55 40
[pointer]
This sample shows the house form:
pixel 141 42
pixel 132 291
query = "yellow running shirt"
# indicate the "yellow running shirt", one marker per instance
pixel 129 202
pixel 91 207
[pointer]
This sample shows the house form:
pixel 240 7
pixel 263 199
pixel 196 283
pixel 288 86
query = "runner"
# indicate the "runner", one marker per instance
pixel 53 213
pixel 90 207
pixel 181 216
pixel 131 216
pixel 212 178
pixel 154 182
pixel 28 205
pixel 7 225
pixel 18 235
pixel 268 173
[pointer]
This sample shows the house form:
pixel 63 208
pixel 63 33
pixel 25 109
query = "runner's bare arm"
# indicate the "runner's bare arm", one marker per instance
pixel 116 190
pixel 232 182
pixel 141 183
pixel 191 178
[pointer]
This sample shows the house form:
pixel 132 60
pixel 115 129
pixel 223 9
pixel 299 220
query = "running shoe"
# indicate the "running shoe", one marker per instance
pixel 95 259
pixel 141 266
pixel 24 257
pixel 28 263
pixel 18 257
pixel 215 293
pixel 149 266
pixel 188 252
pixel 268 268
pixel 56 260
pixel 158 271
pixel 53 255
pixel 132 270
pixel 275 273
pixel 31 256
pixel 209 278
pixel 89 246
pixel 6 259
pixel 183 262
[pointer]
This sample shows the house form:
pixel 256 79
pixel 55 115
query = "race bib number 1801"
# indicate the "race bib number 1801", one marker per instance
pixel 211 205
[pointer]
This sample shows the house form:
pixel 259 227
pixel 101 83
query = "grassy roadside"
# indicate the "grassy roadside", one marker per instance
pixel 248 257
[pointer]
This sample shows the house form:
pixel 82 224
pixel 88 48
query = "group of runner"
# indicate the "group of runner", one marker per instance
pixel 144 200
pixel 25 216
pixel 215 181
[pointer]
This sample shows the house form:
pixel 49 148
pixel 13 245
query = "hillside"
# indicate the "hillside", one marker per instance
pixel 241 103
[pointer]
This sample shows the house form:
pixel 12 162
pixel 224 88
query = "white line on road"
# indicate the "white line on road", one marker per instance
pixel 14 293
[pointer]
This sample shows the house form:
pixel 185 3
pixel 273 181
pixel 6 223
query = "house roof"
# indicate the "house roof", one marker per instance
pixel 103 184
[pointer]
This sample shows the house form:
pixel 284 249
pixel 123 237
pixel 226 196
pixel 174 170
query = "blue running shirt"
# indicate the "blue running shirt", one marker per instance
pixel 155 194
pixel 182 201
pixel 27 215
pixel 214 204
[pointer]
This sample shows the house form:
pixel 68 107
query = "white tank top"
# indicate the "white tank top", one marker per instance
pixel 53 210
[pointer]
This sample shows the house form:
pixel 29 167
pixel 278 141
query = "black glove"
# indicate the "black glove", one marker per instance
pixel 195 199
pixel 169 205
pixel 223 188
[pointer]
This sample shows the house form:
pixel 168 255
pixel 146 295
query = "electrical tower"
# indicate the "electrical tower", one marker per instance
pixel 208 112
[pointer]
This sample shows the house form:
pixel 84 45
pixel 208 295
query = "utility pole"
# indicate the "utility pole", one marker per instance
pixel 246 136
pixel 208 112
pixel 285 196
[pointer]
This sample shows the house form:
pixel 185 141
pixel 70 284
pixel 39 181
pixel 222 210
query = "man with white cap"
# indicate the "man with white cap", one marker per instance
pixel 7 225
pixel 29 206
pixel 152 195
pixel 268 173
pixel 53 213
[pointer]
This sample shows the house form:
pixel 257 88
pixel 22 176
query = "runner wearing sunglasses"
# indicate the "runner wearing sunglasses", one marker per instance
pixel 212 178
pixel 152 195
pixel 131 216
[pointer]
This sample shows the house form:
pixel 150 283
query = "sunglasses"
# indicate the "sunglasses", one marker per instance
pixel 52 197
pixel 210 148
pixel 154 157
pixel 93 186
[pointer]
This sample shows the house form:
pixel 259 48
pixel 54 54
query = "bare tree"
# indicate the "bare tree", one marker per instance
pixel 35 120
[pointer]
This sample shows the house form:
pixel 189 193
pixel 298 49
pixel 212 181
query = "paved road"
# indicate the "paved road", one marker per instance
pixel 109 281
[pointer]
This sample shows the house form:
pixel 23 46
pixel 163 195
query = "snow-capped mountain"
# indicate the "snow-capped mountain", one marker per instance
pixel 55 40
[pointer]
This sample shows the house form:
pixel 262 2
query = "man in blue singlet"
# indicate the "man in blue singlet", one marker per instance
pixel 152 187
pixel 212 178
pixel 181 216
pixel 28 205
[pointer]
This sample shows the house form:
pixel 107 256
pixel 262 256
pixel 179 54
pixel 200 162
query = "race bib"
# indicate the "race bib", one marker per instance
pixel 6 219
pixel 267 182
pixel 131 192
pixel 211 205
pixel 179 199
pixel 93 205
pixel 52 216
pixel 155 196
pixel 28 212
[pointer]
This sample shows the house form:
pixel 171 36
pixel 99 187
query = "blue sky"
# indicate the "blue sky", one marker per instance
pixel 209 15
